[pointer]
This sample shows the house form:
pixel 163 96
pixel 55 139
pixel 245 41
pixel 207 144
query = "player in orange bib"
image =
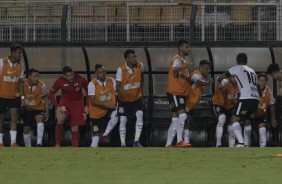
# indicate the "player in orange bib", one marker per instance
pixel 36 107
pixel 225 96
pixel 199 79
pixel 266 100
pixel 177 89
pixel 102 106
pixel 11 90
pixel 129 78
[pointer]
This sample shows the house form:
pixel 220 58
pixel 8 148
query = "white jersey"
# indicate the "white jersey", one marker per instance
pixel 246 79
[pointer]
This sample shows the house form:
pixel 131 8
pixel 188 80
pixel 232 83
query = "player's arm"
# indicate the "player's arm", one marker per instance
pixel 177 66
pixel 53 91
pixel 272 111
pixel 119 89
pixel 46 102
pixel 223 76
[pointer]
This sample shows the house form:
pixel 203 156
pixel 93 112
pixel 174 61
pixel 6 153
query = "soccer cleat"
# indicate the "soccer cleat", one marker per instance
pixel 123 146
pixel 57 145
pixel 2 145
pixel 39 145
pixel 15 145
pixel 239 145
pixel 105 139
pixel 183 144
pixel 137 144
pixel 169 146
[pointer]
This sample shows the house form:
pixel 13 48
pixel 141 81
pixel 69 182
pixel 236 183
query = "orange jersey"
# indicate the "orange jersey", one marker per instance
pixel 227 97
pixel 33 95
pixel 177 82
pixel 102 94
pixel 264 101
pixel 9 78
pixel 195 92
pixel 131 84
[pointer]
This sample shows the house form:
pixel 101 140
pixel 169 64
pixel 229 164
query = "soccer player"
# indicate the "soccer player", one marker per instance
pixel 129 86
pixel 224 99
pixel 102 96
pixel 247 104
pixel 266 101
pixel 199 79
pixel 71 104
pixel 177 90
pixel 36 107
pixel 11 90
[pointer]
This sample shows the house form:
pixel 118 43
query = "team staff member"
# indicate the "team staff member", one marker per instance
pixel 36 107
pixel 102 96
pixel 71 104
pixel 129 86
pixel 11 90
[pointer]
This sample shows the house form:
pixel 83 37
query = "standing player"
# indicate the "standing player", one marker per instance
pixel 265 100
pixel 199 79
pixel 11 90
pixel 247 104
pixel 225 97
pixel 36 107
pixel 71 104
pixel 129 79
pixel 177 90
pixel 102 96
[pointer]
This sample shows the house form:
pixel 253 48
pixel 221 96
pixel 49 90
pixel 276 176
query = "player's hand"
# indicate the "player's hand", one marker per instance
pixel 86 111
pixel 46 116
pixel 274 123
pixel 62 109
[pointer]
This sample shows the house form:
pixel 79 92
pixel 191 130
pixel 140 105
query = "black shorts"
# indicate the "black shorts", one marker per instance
pixel 246 108
pixel 29 116
pixel 6 104
pixel 176 102
pixel 128 108
pixel 101 122
pixel 219 109
pixel 258 120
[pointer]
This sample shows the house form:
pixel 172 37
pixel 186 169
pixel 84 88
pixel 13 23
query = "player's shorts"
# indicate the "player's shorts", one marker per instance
pixel 29 116
pixel 258 120
pixel 75 112
pixel 128 108
pixel 6 104
pixel 103 121
pixel 176 102
pixel 246 108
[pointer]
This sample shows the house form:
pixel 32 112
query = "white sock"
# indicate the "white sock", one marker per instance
pixel 262 137
pixel 139 125
pixel 219 129
pixel 1 138
pixel 180 125
pixel 186 136
pixel 122 129
pixel 247 135
pixel 231 136
pixel 40 132
pixel 171 131
pixel 238 132
pixel 111 124
pixel 95 141
pixel 27 139
pixel 13 135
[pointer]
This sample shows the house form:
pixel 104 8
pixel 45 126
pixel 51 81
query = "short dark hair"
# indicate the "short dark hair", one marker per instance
pixel 204 62
pixel 263 74
pixel 15 46
pixel 31 71
pixel 127 52
pixel 242 58
pixel 67 69
pixel 97 66
pixel 274 67
pixel 181 42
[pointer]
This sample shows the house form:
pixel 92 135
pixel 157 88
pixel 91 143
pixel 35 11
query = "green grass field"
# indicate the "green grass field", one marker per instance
pixel 140 166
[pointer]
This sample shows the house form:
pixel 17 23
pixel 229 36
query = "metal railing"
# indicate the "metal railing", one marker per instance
pixel 139 21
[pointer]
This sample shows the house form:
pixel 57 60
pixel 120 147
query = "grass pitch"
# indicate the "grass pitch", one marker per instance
pixel 139 165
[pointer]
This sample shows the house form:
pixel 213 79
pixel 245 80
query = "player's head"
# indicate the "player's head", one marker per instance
pixel 183 47
pixel 68 74
pixel 130 57
pixel 16 52
pixel 33 76
pixel 205 67
pixel 274 70
pixel 100 72
pixel 262 80
pixel 242 59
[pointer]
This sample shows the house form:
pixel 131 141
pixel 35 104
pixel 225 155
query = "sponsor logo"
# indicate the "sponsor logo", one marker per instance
pixel 103 92
pixel 10 72
pixel 161 102
pixel 121 110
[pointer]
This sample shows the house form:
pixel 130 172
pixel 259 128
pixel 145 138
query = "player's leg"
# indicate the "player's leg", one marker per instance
pixel 138 107
pixel 39 118
pixel 262 133
pixel 95 132
pixel 122 113
pixel 61 114
pixel 110 126
pixel 247 133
